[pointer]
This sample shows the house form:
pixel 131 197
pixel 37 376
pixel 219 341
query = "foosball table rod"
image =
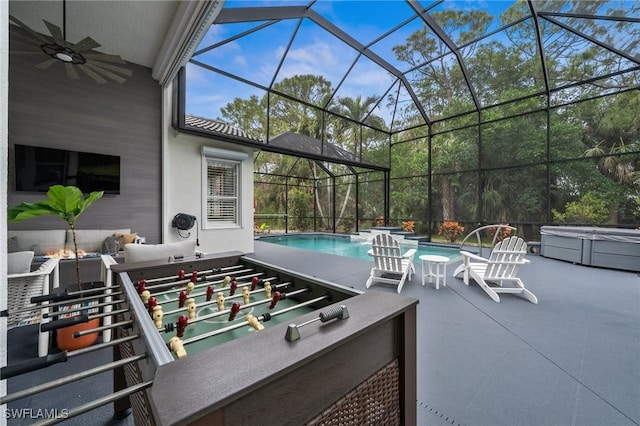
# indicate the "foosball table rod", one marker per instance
pixel 40 304
pixel 13 370
pixel 69 379
pixel 203 285
pixel 237 296
pixel 167 328
pixel 98 403
pixel 263 318
pixel 165 281
pixel 80 308
pixel 123 324
pixel 76 319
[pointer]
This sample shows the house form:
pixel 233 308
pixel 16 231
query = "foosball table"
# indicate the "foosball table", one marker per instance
pixel 229 340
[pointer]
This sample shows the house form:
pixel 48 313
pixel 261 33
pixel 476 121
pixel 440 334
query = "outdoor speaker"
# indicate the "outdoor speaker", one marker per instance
pixel 183 221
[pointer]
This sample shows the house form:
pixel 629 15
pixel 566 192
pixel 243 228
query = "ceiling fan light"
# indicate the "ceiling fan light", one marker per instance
pixel 65 57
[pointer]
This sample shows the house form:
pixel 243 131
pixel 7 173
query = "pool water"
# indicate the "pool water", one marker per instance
pixel 344 246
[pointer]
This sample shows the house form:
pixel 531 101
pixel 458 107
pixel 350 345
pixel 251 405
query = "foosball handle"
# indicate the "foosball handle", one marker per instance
pixel 53 297
pixel 293 330
pixel 65 322
pixel 10 371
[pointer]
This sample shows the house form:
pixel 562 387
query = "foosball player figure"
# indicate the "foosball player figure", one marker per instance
pixel 245 294
pixel 177 347
pixel 210 291
pixel 225 281
pixel 157 316
pixel 253 322
pixel 142 286
pixel 145 295
pixel 191 308
pixel 267 289
pixel 194 277
pixel 254 283
pixel 235 308
pixel 190 288
pixel 220 301
pixel 182 297
pixel 181 325
pixel 276 296
pixel 181 275
pixel 153 302
pixel 234 287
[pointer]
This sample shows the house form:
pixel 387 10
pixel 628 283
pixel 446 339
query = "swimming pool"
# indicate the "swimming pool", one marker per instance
pixel 342 245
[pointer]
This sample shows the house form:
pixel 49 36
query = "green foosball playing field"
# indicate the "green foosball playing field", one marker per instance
pixel 214 310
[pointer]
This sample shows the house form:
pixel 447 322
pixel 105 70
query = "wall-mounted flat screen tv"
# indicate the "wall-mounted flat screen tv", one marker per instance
pixel 38 168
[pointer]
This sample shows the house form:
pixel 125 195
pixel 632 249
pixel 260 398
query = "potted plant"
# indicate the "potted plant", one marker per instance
pixel 68 203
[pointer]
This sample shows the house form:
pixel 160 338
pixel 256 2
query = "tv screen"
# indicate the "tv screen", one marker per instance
pixel 38 168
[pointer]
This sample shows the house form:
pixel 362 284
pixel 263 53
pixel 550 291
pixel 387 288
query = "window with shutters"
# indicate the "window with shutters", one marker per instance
pixel 223 198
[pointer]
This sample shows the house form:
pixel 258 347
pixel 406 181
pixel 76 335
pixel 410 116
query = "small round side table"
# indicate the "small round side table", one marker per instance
pixel 440 268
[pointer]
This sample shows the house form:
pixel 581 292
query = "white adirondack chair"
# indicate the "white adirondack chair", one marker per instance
pixel 502 266
pixel 390 265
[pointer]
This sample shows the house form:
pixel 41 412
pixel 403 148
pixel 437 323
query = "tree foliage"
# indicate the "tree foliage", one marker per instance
pixel 516 160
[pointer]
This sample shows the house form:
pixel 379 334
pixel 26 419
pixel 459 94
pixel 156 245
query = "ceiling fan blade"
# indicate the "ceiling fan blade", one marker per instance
pixel 86 43
pixel 104 57
pixel 37 36
pixel 105 73
pixel 18 35
pixel 46 64
pixel 92 74
pixel 114 68
pixel 24 52
pixel 72 73
pixel 56 33
pixel 27 47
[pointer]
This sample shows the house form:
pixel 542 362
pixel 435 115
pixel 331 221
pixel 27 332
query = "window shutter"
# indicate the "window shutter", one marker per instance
pixel 222 191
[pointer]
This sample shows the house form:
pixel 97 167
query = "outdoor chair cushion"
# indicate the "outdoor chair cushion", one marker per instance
pixel 19 262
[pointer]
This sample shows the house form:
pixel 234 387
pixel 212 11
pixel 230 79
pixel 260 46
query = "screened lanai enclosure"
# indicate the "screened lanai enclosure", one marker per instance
pixel 381 112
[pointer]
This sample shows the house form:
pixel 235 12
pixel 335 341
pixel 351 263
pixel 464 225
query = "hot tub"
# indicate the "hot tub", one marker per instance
pixel 603 247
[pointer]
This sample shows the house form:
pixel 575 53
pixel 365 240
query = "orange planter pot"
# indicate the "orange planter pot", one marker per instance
pixel 66 341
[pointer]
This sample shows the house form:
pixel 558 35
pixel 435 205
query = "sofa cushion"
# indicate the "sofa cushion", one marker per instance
pixel 19 262
pixel 146 252
pixel 90 240
pixel 111 245
pixel 39 241
pixel 126 238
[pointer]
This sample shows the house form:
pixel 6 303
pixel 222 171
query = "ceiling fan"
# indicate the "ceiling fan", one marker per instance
pixel 96 65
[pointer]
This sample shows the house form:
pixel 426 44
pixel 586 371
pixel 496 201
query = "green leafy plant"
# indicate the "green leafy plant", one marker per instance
pixel 66 202
pixel 590 209
pixel 300 204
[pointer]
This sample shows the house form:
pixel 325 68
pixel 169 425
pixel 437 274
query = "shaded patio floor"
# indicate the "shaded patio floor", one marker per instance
pixel 573 359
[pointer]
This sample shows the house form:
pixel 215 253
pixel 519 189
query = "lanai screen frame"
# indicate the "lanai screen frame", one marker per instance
pixel 427 128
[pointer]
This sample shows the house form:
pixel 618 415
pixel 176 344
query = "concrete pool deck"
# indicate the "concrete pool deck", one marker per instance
pixel 573 359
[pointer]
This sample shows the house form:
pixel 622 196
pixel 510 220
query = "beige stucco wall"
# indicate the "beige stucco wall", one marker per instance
pixel 183 191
